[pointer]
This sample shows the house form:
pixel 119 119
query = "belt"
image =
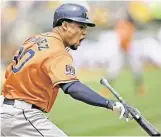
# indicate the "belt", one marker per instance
pixel 12 102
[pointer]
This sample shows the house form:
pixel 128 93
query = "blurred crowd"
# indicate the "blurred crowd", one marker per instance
pixel 21 19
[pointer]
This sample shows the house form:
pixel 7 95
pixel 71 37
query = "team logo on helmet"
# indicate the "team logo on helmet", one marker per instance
pixel 86 15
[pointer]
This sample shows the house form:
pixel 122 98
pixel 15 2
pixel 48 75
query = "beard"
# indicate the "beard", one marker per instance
pixel 74 47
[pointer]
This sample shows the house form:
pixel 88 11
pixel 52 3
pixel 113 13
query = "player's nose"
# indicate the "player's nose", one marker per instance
pixel 85 31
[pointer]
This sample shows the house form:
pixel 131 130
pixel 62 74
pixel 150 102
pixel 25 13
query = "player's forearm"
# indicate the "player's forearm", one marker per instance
pixel 83 93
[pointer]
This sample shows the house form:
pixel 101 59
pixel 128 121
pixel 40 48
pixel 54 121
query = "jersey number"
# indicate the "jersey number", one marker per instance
pixel 21 58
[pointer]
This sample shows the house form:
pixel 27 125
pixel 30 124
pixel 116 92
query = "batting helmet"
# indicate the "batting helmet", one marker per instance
pixel 72 12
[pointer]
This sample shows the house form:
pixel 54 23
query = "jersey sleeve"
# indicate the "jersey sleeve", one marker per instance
pixel 60 70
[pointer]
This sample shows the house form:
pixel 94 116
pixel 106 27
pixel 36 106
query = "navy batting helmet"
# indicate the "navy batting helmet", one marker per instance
pixel 72 12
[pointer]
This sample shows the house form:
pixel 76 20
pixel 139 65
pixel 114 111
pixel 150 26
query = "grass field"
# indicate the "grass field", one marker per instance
pixel 79 119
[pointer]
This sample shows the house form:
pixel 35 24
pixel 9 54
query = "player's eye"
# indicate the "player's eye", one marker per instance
pixel 82 26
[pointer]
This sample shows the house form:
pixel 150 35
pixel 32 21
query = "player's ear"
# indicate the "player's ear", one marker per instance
pixel 65 25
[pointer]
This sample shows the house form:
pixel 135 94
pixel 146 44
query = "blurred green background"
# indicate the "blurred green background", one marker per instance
pixel 78 119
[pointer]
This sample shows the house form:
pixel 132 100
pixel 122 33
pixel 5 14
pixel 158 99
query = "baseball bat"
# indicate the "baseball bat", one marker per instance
pixel 145 124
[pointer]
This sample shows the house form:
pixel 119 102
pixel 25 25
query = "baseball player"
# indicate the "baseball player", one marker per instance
pixel 39 68
pixel 125 31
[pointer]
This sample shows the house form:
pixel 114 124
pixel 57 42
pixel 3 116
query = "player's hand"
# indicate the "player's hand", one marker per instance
pixel 121 109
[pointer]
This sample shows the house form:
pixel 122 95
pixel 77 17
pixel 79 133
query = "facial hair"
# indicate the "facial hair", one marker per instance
pixel 73 47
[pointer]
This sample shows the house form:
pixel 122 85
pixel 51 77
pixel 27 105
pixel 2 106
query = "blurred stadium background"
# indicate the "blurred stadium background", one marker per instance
pixel 21 19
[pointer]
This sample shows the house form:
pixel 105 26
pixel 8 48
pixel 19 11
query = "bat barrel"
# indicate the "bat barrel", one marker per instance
pixel 136 115
pixel 147 126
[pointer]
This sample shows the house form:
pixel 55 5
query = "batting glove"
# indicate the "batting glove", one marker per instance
pixel 120 108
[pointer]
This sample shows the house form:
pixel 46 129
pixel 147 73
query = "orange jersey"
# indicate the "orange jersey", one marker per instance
pixel 125 31
pixel 39 65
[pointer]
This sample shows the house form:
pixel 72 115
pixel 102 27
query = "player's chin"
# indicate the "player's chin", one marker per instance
pixel 74 47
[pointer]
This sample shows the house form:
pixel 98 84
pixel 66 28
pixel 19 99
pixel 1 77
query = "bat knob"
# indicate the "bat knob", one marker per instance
pixel 103 81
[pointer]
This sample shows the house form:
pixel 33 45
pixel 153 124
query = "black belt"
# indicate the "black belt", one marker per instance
pixel 12 102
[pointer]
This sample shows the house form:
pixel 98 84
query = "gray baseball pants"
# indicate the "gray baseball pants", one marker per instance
pixel 22 120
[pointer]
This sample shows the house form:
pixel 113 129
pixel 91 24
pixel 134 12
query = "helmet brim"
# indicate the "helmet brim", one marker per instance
pixel 83 21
